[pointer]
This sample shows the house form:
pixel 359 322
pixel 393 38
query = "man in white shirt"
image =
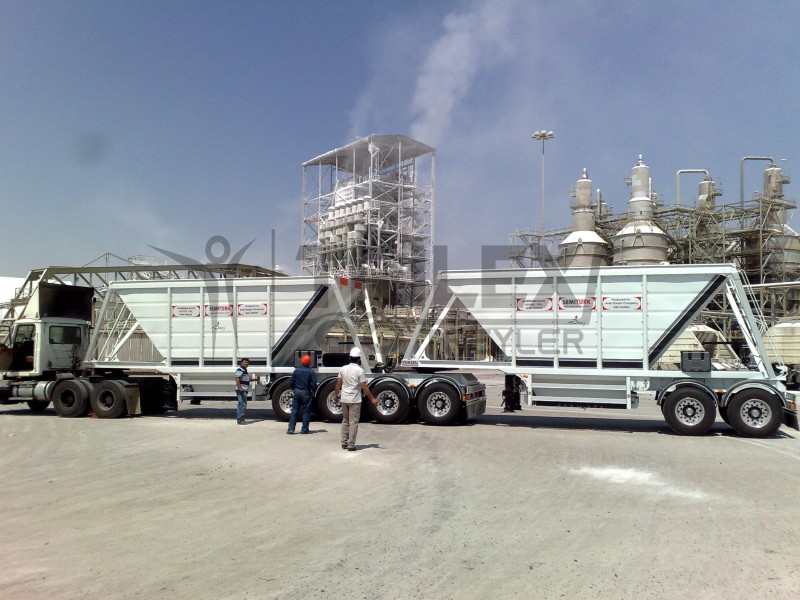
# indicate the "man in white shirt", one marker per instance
pixel 349 386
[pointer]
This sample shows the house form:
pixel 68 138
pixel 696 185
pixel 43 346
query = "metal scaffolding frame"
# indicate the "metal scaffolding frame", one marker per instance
pixel 367 213
pixel 99 277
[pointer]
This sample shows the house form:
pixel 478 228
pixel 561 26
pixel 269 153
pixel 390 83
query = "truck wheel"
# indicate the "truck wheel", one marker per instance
pixel 70 399
pixel 439 404
pixel 329 407
pixel 755 413
pixel 689 411
pixel 393 404
pixel 108 399
pixel 282 396
pixel 38 406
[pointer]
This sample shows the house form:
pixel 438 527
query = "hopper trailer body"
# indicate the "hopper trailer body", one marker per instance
pixel 592 337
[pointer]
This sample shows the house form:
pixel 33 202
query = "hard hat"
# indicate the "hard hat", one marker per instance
pixel 306 360
pixel 355 353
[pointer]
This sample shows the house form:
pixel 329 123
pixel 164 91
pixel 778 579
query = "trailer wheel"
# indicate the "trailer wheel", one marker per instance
pixel 439 404
pixel 689 411
pixel 755 413
pixel 282 397
pixel 393 404
pixel 38 406
pixel 70 399
pixel 108 399
pixel 329 407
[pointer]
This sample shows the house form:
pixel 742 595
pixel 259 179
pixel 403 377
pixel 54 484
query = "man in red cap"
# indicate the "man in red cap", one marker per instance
pixel 304 384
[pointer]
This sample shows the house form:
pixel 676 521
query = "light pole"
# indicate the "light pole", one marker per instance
pixel 542 135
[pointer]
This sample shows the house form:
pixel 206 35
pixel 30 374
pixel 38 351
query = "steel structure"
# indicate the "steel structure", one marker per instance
pixel 752 234
pixel 100 277
pixel 368 213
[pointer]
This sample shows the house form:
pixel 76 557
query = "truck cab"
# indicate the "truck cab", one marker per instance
pixel 41 347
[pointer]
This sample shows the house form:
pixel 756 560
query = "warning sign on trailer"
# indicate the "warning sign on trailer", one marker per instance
pixel 252 309
pixel 622 303
pixel 185 310
pixel 534 304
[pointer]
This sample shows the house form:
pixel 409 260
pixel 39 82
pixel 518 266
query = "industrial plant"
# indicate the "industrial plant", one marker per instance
pixel 752 234
pixel 368 214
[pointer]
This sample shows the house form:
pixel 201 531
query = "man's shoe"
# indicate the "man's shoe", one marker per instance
pixel 351 448
pixel 290 432
pixel 304 432
pixel 344 446
pixel 241 422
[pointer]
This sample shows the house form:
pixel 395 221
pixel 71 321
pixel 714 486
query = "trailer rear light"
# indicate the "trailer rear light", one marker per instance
pixel 464 397
pixel 791 405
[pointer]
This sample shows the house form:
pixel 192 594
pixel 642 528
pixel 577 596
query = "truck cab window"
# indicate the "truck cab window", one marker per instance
pixel 62 334
pixel 22 359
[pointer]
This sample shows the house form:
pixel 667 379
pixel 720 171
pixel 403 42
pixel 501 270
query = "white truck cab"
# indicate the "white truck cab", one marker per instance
pixel 39 346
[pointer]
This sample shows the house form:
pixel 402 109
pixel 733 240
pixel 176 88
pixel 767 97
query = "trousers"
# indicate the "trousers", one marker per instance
pixel 242 405
pixel 351 413
pixel 300 401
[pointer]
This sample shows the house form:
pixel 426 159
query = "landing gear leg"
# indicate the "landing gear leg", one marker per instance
pixel 511 395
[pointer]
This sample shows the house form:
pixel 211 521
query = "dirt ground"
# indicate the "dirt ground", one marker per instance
pixel 539 504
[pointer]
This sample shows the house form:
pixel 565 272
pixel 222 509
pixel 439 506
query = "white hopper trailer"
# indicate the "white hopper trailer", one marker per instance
pixel 158 342
pixel 591 337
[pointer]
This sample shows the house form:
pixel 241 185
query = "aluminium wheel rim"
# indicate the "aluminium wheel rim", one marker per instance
pixel 439 404
pixel 755 413
pixel 388 402
pixel 334 406
pixel 689 411
pixel 286 400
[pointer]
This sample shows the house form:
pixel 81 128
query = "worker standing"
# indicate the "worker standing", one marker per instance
pixel 350 383
pixel 304 384
pixel 242 389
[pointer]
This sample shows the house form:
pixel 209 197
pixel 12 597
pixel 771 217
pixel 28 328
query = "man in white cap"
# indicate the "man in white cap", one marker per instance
pixel 349 386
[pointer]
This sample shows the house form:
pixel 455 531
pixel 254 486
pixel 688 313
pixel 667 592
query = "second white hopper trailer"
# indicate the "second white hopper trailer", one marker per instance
pixel 593 336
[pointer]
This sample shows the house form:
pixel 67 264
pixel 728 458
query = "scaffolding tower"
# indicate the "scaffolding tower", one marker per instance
pixel 368 214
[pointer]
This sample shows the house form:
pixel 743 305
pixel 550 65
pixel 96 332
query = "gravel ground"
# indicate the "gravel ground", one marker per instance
pixel 540 504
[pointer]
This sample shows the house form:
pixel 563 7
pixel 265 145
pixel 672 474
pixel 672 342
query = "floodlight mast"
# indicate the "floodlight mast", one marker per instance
pixel 542 135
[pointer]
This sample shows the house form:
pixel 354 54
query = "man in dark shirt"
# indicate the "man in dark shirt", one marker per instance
pixel 242 379
pixel 304 384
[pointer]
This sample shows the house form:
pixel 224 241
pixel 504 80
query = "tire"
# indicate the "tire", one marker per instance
pixel 439 404
pixel 755 413
pixel 282 397
pixel 689 411
pixel 70 399
pixel 328 406
pixel 723 413
pixel 38 406
pixel 393 403
pixel 108 399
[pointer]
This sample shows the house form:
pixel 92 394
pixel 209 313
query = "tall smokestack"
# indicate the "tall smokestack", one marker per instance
pixel 583 247
pixel 641 241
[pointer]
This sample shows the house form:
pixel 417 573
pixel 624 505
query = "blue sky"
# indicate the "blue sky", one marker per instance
pixel 125 125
